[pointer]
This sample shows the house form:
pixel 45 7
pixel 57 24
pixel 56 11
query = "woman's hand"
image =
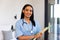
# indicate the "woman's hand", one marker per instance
pixel 38 35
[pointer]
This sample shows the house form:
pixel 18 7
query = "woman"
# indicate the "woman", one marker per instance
pixel 27 27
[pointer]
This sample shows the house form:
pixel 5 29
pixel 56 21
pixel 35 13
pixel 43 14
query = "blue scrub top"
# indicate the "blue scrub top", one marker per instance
pixel 22 28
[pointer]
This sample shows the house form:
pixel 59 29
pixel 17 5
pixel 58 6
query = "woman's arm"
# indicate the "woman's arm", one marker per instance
pixel 25 37
pixel 30 37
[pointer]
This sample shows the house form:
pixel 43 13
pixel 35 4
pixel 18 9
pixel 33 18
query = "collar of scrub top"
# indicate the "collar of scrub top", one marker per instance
pixel 24 22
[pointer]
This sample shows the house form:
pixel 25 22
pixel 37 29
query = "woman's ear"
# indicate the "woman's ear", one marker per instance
pixel 23 11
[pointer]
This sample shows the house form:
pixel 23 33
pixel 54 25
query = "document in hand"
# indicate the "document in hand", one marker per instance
pixel 45 29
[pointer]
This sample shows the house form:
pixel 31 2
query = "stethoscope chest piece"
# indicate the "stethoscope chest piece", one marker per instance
pixel 31 31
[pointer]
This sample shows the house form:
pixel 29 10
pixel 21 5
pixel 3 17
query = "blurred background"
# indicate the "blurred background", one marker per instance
pixel 47 12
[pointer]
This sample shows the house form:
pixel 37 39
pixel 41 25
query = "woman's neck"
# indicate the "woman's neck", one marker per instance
pixel 27 20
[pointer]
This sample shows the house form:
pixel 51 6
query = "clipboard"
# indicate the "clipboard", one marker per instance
pixel 45 29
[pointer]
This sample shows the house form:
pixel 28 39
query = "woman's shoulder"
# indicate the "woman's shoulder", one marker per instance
pixel 19 21
pixel 36 21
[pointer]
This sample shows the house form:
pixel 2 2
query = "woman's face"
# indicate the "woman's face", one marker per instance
pixel 27 12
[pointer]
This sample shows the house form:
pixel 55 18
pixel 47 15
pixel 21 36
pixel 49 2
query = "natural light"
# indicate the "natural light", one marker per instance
pixel 57 10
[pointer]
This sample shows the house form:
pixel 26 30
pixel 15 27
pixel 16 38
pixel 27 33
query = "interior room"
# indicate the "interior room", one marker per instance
pixel 10 11
pixel 45 11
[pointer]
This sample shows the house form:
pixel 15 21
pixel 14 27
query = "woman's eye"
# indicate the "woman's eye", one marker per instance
pixel 26 10
pixel 30 10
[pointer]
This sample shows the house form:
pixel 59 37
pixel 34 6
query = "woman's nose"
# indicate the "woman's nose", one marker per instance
pixel 29 11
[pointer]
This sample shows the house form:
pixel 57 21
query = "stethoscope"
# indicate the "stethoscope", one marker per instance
pixel 31 30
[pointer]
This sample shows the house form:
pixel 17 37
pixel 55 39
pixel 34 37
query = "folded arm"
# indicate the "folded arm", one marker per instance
pixel 25 37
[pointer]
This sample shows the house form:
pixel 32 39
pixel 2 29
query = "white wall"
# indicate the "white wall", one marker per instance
pixel 10 8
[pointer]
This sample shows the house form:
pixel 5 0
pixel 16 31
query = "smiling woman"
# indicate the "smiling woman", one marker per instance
pixel 27 27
